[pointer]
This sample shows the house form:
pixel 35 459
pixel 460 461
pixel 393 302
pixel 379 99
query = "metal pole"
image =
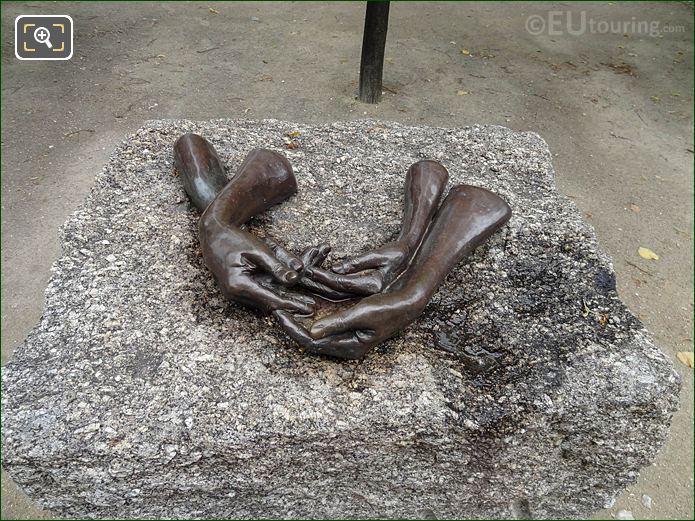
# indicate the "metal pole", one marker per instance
pixel 376 22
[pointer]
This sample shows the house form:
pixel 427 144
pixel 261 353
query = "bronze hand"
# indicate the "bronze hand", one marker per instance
pixel 467 217
pixel 424 184
pixel 234 256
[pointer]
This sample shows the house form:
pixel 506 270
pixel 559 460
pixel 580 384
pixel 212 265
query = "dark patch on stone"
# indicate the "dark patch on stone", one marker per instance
pixel 605 280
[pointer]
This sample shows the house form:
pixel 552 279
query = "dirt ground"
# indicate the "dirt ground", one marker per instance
pixel 616 110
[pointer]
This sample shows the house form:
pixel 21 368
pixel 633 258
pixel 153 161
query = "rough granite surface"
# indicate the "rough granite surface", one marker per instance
pixel 526 390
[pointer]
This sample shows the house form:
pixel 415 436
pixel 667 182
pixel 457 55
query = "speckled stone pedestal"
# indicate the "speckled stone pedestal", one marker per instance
pixel 526 390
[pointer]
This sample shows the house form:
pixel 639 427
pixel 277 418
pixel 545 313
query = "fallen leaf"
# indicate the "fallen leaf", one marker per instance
pixel 646 253
pixel 291 146
pixel 676 94
pixel 213 11
pixel 634 207
pixel 462 93
pixel 465 52
pixel 686 357
pixel 293 134
pixel 266 78
pixel 655 99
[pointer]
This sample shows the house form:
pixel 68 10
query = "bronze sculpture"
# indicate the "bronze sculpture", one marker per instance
pixel 232 254
pixel 424 184
pixel 396 280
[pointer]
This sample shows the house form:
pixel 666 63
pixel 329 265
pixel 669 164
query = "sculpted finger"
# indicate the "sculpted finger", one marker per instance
pixel 315 255
pixel 264 259
pixel 323 290
pixel 295 296
pixel 284 256
pixel 324 249
pixel 347 320
pixel 346 346
pixel 308 255
pixel 371 259
pixel 268 282
pixel 366 284
pixel 269 299
pixel 293 329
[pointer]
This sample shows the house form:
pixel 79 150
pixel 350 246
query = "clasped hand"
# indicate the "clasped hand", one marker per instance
pixel 394 282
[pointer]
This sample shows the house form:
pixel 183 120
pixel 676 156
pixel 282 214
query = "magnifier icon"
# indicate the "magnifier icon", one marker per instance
pixel 42 35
